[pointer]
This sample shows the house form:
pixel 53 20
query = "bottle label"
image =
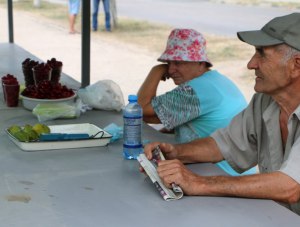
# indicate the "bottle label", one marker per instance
pixel 132 131
pixel 132 120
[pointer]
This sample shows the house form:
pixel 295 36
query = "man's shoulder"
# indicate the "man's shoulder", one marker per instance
pixel 261 101
pixel 261 97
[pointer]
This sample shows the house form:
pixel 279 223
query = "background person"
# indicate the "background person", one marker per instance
pixel 106 7
pixel 74 6
pixel 204 99
pixel 266 133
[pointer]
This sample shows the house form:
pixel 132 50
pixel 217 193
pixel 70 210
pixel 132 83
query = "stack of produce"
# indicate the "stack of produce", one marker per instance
pixel 48 90
pixel 11 90
pixel 41 72
pixel 27 66
pixel 46 87
pixel 28 132
pixel 56 69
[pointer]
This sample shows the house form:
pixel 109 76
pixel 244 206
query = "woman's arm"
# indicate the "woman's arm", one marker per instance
pixel 148 91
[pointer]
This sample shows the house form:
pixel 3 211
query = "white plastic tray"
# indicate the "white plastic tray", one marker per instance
pixel 99 140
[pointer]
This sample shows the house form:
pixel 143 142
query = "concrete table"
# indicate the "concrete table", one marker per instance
pixel 97 187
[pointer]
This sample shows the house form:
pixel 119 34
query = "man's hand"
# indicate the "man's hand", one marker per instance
pixel 174 171
pixel 168 150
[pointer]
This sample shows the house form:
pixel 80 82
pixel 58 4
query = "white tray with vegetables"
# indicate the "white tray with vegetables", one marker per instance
pixel 52 137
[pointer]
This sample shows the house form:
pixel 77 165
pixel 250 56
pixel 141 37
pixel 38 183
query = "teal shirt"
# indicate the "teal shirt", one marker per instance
pixel 199 107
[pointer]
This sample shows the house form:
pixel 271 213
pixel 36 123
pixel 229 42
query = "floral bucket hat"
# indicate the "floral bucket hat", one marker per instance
pixel 185 45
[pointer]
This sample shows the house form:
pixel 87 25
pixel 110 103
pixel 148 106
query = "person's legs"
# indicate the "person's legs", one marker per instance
pixel 72 18
pixel 74 6
pixel 95 14
pixel 107 14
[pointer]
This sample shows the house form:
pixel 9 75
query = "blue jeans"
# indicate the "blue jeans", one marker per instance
pixel 96 4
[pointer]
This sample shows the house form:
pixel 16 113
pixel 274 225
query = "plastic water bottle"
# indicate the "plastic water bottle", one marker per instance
pixel 132 136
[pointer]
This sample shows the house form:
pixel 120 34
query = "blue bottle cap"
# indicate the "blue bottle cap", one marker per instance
pixel 132 98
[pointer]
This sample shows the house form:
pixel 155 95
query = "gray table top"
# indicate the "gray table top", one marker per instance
pixel 97 187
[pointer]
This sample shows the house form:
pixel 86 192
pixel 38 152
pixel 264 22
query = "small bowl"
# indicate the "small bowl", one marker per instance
pixel 30 103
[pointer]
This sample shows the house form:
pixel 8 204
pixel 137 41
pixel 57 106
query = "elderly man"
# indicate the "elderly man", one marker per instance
pixel 266 133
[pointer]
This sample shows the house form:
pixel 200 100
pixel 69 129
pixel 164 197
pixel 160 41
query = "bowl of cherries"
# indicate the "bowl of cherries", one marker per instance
pixel 45 90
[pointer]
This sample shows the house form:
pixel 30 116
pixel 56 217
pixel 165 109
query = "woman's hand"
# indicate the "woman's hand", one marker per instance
pixel 161 70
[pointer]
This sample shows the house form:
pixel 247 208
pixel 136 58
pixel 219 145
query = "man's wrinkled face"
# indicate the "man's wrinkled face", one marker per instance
pixel 182 71
pixel 271 70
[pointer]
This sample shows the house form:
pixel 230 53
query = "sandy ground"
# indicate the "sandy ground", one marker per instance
pixel 127 65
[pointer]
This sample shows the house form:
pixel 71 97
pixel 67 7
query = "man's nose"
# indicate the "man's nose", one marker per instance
pixel 252 64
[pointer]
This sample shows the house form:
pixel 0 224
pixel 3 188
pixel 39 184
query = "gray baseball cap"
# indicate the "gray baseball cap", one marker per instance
pixel 284 29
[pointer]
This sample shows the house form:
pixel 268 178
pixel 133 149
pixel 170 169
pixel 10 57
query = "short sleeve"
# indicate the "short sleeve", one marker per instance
pixel 291 165
pixel 238 141
pixel 177 107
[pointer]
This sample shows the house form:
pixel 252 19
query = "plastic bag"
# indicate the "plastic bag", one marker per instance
pixel 104 95
pixel 50 111
pixel 115 130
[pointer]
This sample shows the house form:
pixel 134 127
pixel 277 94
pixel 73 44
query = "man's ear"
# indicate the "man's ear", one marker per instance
pixel 297 60
pixel 296 66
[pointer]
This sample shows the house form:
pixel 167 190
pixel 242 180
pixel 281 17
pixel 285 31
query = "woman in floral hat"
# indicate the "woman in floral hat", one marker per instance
pixel 204 99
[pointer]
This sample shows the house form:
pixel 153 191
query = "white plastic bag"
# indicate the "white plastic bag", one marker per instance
pixel 104 95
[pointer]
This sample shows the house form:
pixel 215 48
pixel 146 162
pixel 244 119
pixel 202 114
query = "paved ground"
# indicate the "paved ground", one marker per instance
pixel 213 17
pixel 202 15
pixel 127 65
